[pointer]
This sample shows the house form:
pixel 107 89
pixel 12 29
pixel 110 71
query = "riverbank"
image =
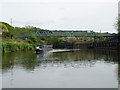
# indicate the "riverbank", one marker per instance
pixel 114 45
pixel 27 38
pixel 9 47
pixel 14 45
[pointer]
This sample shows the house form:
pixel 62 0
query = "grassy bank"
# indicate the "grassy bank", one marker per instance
pixel 9 47
pixel 13 38
pixel 13 45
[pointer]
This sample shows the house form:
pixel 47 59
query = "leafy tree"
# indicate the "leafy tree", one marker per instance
pixel 32 39
pixel 118 26
pixel 3 28
pixel 101 38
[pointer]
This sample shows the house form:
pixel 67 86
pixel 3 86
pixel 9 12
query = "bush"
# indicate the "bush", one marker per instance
pixel 9 47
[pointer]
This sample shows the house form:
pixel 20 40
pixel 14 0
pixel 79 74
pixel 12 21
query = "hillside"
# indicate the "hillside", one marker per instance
pixel 6 27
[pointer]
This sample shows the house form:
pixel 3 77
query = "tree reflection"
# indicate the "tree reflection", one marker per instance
pixel 26 60
pixel 76 59
pixel 118 54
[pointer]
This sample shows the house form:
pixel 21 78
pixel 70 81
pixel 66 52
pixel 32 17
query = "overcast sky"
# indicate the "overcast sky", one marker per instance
pixel 62 14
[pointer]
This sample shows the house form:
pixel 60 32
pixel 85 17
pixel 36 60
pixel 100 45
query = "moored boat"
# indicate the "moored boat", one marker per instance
pixel 42 48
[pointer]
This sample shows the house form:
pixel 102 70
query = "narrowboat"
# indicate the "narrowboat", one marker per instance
pixel 42 48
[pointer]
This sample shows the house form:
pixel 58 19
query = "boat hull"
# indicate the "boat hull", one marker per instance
pixel 39 51
pixel 43 48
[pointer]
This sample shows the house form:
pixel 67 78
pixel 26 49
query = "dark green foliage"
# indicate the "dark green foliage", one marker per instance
pixel 6 27
pixel 53 40
pixel 118 26
pixel 9 47
pixel 33 39
pixel 7 35
pixel 13 43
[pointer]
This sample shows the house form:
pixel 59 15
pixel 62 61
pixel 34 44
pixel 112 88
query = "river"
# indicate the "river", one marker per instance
pixel 71 69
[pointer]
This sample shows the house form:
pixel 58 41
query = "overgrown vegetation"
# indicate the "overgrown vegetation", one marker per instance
pixel 11 43
pixel 14 38
pixel 118 26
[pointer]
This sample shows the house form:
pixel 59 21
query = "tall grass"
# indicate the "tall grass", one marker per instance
pixel 9 47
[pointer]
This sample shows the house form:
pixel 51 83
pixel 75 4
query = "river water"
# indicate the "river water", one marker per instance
pixel 71 69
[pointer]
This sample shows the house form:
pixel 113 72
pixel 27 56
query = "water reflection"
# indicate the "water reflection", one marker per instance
pixel 29 60
pixel 26 60
pixel 78 62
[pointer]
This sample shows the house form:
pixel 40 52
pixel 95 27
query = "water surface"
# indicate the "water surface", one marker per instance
pixel 78 69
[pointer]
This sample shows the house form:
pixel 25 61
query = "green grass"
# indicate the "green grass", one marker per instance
pixel 9 47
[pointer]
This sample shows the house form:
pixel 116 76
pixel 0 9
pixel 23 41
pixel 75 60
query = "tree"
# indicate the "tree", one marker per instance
pixel 32 39
pixel 118 26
